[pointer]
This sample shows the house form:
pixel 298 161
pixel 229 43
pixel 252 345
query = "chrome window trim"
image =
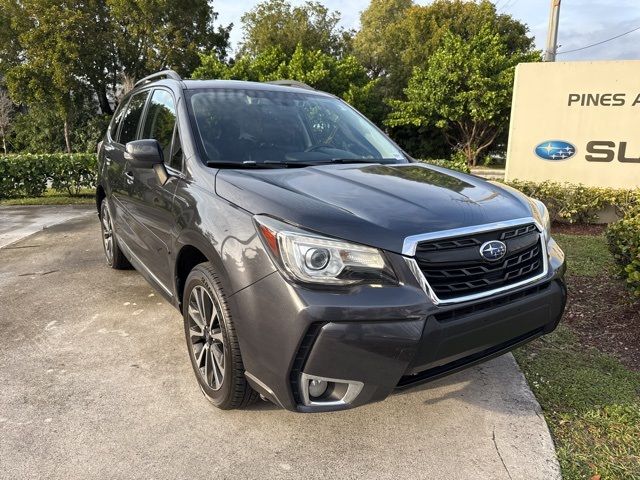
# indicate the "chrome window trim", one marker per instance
pixel 411 243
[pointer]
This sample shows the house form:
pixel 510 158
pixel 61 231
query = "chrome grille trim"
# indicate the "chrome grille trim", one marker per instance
pixel 411 243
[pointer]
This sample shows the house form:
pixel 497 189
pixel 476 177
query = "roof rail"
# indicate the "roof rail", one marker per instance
pixel 159 76
pixel 291 83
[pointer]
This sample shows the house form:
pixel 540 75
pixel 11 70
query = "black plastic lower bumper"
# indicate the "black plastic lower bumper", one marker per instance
pixel 390 355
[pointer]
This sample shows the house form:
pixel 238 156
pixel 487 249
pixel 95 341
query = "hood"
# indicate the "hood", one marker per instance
pixel 376 205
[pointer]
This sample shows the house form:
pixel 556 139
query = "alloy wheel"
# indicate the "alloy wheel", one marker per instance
pixel 206 338
pixel 107 233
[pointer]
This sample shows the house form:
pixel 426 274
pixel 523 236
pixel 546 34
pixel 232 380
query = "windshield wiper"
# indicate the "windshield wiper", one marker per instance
pixel 355 160
pixel 245 164
pixel 295 164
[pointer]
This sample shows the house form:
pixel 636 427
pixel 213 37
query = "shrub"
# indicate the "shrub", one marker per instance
pixel 624 242
pixel 28 175
pixel 74 172
pixel 576 203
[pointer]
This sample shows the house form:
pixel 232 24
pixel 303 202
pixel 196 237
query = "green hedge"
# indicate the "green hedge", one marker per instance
pixel 575 203
pixel 624 242
pixel 28 175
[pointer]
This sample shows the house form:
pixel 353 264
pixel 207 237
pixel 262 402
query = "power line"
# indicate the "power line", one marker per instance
pixel 599 43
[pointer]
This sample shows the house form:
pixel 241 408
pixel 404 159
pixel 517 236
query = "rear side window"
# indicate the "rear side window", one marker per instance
pixel 160 121
pixel 131 117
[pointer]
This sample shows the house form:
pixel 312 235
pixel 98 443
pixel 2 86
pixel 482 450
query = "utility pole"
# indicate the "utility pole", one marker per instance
pixel 552 35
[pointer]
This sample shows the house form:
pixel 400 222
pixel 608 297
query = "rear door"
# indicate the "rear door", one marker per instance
pixel 118 173
pixel 113 167
pixel 151 194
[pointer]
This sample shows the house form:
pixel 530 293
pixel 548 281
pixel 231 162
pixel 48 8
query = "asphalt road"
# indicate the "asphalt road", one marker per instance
pixel 95 382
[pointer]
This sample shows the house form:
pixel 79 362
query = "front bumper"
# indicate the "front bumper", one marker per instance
pixel 384 338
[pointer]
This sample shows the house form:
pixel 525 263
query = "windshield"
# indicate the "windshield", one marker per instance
pixel 271 127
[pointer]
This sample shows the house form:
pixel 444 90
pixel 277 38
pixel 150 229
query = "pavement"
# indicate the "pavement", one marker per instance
pixel 24 220
pixel 96 383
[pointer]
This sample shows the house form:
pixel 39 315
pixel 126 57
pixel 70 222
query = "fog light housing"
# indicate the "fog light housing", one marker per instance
pixel 328 392
pixel 317 388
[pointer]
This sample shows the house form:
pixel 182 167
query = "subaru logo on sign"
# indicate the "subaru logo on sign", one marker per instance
pixel 555 150
pixel 493 250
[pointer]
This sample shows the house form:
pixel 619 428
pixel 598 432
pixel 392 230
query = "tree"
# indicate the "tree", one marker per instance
pixel 50 52
pixel 65 55
pixel 380 40
pixel 396 35
pixel 6 117
pixel 275 23
pixel 464 91
pixel 152 35
pixel 344 77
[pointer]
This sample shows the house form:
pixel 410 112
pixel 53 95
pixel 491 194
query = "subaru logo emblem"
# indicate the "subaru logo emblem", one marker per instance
pixel 493 250
pixel 555 150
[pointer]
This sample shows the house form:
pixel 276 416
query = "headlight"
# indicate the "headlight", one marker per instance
pixel 541 214
pixel 312 258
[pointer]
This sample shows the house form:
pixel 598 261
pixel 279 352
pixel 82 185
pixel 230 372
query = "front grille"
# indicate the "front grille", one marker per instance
pixel 457 313
pixel 454 267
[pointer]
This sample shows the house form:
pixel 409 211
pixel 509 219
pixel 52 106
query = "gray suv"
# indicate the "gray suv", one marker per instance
pixel 313 261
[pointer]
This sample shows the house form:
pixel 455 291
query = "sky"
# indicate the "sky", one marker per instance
pixel 582 22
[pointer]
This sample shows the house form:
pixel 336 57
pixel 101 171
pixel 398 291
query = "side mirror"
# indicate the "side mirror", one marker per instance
pixel 144 153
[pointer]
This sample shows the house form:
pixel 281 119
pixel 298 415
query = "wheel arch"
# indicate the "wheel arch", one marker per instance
pixel 192 251
pixel 101 194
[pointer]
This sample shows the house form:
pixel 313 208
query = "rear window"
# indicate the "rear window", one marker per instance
pixel 131 117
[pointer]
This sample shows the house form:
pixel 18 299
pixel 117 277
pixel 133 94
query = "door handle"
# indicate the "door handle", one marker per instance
pixel 129 177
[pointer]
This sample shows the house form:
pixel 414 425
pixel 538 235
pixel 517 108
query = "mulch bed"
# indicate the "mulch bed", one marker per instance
pixel 603 315
pixel 578 229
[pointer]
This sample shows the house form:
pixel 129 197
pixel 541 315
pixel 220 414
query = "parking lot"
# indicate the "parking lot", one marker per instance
pixel 96 383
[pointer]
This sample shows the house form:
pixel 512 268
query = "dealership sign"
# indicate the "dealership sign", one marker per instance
pixel 576 122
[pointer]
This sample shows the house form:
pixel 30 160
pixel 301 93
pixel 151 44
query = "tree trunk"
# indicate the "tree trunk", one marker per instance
pixel 105 107
pixel 67 140
pixel 4 140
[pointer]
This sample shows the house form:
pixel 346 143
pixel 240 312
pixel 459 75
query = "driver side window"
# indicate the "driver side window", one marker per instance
pixel 160 125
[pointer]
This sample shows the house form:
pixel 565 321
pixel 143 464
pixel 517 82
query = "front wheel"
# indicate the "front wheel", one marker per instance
pixel 212 341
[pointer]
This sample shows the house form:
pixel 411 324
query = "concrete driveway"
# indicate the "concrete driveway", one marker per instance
pixel 96 383
pixel 24 220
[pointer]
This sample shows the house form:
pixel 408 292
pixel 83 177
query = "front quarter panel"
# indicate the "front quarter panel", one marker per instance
pixel 223 232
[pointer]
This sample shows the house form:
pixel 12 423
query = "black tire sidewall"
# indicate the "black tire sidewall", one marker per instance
pixel 223 395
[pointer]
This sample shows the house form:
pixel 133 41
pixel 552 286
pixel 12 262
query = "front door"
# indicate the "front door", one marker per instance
pixel 150 200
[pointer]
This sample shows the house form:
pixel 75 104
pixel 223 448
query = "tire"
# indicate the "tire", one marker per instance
pixel 114 256
pixel 213 344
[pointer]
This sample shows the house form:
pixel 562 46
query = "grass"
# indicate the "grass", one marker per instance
pixel 53 197
pixel 587 255
pixel 590 400
pixel 591 403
